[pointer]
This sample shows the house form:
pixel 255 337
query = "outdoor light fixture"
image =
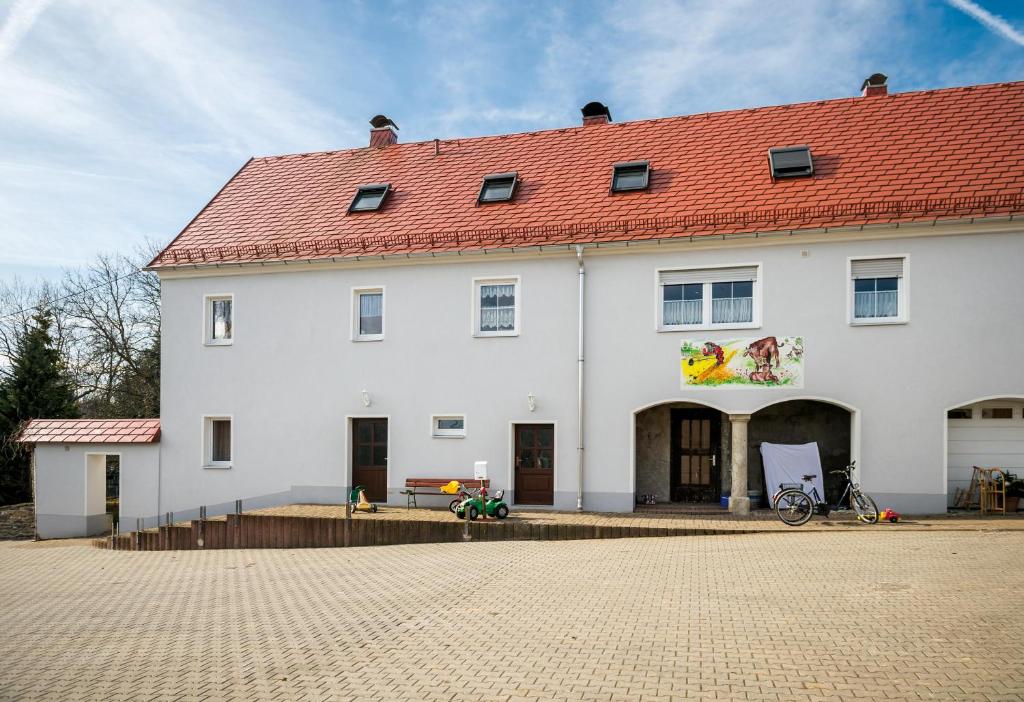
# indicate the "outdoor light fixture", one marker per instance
pixel 366 398
pixel 531 401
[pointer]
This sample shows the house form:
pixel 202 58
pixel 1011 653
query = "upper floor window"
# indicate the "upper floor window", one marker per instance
pixel 368 314
pixel 704 298
pixel 218 320
pixel 496 307
pixel 878 290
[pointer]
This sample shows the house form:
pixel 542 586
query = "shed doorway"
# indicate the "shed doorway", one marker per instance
pixel 102 491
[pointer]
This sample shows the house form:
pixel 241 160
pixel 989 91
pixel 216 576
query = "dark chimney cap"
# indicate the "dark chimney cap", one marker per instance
pixel 874 79
pixel 596 113
pixel 380 121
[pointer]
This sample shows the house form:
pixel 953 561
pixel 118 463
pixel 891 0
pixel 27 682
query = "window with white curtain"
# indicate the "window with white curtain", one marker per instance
pixel 706 298
pixel 878 290
pixel 368 314
pixel 497 307
pixel 218 320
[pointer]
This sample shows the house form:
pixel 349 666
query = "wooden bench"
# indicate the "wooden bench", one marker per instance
pixel 416 486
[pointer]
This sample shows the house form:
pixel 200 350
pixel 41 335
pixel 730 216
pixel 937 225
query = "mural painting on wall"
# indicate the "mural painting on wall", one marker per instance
pixel 769 362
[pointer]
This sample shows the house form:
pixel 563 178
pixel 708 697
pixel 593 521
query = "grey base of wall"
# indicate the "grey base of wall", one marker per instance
pixel 62 526
pixel 910 503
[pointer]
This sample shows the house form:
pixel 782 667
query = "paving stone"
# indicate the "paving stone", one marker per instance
pixel 781 615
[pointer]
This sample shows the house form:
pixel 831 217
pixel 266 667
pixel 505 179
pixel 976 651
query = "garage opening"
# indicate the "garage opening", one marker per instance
pixel 800 422
pixel 986 433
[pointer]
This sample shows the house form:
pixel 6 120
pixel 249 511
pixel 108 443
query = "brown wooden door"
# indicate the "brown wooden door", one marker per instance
pixel 535 464
pixel 694 464
pixel 370 457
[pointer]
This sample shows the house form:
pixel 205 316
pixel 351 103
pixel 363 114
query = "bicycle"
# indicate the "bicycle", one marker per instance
pixel 795 507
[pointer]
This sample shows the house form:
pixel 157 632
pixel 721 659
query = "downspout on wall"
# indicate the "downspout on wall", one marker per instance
pixel 579 387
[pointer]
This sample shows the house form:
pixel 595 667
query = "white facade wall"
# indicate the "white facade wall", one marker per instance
pixel 293 376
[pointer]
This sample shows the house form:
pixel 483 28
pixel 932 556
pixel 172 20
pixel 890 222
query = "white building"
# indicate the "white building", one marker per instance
pixel 403 310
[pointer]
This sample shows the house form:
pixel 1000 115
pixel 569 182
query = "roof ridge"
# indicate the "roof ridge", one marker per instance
pixel 855 99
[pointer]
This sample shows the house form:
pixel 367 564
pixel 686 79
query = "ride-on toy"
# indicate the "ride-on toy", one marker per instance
pixel 359 501
pixel 473 506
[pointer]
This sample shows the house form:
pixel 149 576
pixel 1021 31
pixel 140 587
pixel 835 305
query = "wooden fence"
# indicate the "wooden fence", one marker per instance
pixel 265 531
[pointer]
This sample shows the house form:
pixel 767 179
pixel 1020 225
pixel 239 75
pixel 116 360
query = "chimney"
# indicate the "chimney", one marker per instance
pixel 595 113
pixel 384 132
pixel 874 85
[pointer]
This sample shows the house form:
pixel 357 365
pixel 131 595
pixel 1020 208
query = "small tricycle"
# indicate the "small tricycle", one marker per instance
pixel 359 501
pixel 473 506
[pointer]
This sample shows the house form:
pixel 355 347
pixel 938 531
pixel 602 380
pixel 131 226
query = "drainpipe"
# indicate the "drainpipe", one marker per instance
pixel 579 388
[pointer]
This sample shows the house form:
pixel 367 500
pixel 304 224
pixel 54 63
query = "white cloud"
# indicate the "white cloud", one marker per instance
pixel 129 114
pixel 994 22
pixel 19 21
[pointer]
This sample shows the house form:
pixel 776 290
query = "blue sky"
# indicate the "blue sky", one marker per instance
pixel 121 118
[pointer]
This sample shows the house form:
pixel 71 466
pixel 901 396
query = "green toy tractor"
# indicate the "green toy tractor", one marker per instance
pixel 473 506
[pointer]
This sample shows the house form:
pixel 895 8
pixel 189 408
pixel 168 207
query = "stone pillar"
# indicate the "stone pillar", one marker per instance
pixel 739 502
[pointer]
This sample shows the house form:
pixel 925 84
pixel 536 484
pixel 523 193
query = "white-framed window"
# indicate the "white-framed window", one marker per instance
pixel 719 297
pixel 448 426
pixel 368 314
pixel 217 441
pixel 219 320
pixel 877 290
pixel 496 306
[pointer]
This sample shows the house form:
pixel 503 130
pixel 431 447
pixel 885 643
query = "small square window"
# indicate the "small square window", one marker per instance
pixel 634 175
pixel 997 413
pixel 368 314
pixel 790 161
pixel 960 413
pixel 448 426
pixel 497 188
pixel 217 442
pixel 369 197
pixel 497 307
pixel 219 320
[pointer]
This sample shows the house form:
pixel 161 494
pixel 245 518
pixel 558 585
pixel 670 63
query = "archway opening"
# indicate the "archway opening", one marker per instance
pixel 680 454
pixel 801 421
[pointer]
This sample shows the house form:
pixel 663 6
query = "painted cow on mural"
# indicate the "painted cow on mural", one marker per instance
pixel 764 353
pixel 763 376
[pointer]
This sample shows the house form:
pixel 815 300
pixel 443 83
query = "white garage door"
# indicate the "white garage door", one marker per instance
pixel 988 434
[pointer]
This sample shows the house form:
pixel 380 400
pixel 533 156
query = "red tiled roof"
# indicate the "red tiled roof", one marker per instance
pixel 904 157
pixel 91 431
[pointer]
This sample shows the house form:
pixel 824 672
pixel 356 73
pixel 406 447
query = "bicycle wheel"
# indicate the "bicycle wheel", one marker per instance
pixel 866 508
pixel 794 507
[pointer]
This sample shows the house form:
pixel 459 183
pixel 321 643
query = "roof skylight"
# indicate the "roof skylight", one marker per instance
pixel 790 161
pixel 632 175
pixel 369 197
pixel 497 188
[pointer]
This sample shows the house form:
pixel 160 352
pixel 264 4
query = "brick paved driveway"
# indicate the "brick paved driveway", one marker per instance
pixel 878 614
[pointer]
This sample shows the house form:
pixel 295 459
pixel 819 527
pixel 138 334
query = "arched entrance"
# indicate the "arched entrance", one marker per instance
pixel 801 421
pixel 683 450
pixel 678 453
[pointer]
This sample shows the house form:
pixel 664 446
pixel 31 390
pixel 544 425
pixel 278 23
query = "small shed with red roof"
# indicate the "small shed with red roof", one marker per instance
pixel 83 470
